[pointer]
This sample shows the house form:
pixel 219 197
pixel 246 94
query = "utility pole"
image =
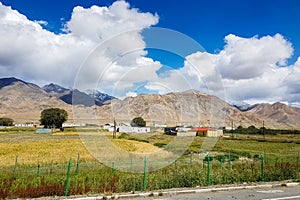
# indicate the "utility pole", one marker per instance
pixel 263 129
pixel 232 128
pixel 115 129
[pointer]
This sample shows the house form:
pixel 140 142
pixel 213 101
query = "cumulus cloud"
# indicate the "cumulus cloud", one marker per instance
pixel 31 52
pixel 244 58
pixel 248 70
pixel 98 23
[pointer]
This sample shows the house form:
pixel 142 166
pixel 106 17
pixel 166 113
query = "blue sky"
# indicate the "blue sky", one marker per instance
pixel 252 45
pixel 207 21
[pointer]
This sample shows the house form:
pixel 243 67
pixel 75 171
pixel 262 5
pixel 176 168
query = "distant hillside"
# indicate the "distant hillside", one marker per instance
pixel 184 108
pixel 278 112
pixel 244 108
pixel 54 88
pixel 100 97
pixel 76 97
pixel 9 81
pixel 24 102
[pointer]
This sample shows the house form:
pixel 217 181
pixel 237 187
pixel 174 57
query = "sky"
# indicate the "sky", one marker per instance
pixel 243 51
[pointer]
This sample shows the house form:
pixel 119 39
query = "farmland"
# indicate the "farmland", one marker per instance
pixel 35 165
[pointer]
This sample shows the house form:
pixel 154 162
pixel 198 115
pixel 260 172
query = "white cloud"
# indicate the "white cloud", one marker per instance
pixel 244 58
pixel 28 51
pixel 41 22
pixel 246 70
pixel 98 23
pixel 131 94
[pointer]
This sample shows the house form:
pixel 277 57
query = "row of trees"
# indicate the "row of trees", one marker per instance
pixel 262 130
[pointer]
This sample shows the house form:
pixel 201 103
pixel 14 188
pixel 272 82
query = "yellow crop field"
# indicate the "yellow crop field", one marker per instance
pixel 43 152
pixel 59 147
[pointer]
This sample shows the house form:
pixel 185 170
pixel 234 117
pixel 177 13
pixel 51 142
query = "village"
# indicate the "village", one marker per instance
pixel 176 131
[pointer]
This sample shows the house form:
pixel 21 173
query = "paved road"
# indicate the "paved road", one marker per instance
pixel 277 193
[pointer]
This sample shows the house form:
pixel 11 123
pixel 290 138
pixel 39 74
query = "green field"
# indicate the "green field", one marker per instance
pixel 35 165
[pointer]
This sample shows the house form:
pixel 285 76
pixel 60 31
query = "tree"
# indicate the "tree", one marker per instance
pixel 239 127
pixel 53 117
pixel 252 127
pixel 5 121
pixel 138 122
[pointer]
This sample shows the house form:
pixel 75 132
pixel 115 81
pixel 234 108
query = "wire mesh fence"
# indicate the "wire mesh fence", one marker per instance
pixel 78 177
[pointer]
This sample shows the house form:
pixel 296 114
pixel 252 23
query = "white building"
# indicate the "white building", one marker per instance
pixel 24 125
pixel 68 125
pixel 109 127
pixel 160 125
pixel 130 129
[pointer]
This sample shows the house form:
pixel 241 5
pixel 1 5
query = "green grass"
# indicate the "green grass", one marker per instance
pixel 51 153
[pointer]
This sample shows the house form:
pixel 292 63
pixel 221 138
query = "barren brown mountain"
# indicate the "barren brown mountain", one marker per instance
pixel 24 102
pixel 278 112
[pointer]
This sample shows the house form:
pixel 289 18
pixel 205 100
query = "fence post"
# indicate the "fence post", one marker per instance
pixel 131 162
pixel 15 167
pixel 38 170
pixel 221 163
pixel 208 170
pixel 113 168
pixel 298 159
pixel 262 167
pixel 77 164
pixel 145 174
pixel 68 177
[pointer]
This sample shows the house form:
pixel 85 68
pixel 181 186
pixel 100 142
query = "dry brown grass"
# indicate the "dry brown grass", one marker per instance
pixel 135 146
pixel 46 149
pixel 43 152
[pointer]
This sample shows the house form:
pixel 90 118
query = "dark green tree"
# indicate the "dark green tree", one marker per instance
pixel 239 127
pixel 5 121
pixel 138 122
pixel 53 117
pixel 252 127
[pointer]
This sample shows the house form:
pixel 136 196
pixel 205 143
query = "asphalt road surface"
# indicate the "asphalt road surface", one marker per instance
pixel 277 193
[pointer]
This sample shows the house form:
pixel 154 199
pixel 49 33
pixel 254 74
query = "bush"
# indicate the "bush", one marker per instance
pixel 160 144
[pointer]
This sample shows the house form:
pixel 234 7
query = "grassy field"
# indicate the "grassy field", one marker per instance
pixel 42 162
pixel 32 148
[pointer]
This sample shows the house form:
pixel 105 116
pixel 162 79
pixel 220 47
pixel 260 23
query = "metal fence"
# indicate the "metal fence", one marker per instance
pixel 75 177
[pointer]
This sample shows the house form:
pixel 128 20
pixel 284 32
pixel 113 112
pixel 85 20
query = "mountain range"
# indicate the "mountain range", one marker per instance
pixel 76 97
pixel 23 102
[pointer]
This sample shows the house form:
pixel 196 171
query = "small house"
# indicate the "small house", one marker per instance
pixel 208 132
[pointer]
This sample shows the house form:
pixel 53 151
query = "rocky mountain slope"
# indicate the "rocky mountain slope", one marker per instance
pixel 278 112
pixel 24 102
pixel 184 108
pixel 76 97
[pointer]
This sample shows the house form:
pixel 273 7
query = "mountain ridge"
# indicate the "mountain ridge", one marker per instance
pixel 21 100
